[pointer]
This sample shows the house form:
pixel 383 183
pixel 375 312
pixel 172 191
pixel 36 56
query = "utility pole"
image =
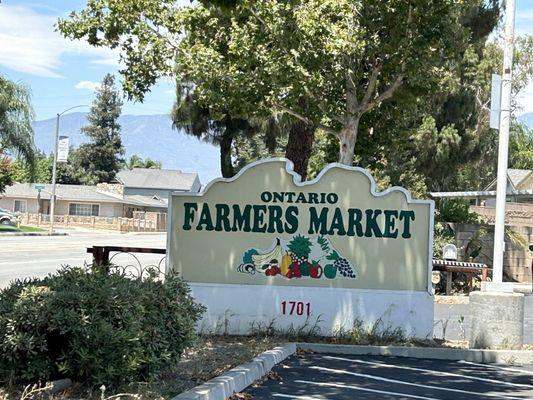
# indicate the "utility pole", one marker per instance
pixel 54 168
pixel 54 175
pixel 503 145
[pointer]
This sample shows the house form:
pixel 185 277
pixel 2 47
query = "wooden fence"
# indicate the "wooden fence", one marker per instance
pixel 108 223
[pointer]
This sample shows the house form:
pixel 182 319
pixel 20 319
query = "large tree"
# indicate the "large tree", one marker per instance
pixel 325 63
pixel 16 117
pixel 101 158
pixel 344 58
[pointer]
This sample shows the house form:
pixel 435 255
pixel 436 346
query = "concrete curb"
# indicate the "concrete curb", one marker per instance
pixel 240 377
pixel 437 353
pixel 33 234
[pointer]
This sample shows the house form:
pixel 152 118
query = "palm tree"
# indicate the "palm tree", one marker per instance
pixel 16 117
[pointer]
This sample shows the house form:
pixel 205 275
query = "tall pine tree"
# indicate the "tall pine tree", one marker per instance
pixel 102 157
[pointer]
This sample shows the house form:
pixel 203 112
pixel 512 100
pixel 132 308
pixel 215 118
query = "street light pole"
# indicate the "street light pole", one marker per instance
pixel 54 168
pixel 54 175
pixel 503 145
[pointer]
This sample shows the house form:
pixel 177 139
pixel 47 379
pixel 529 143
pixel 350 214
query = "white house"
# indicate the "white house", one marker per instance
pixel 139 189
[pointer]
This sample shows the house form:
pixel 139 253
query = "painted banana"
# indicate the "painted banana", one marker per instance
pixel 263 259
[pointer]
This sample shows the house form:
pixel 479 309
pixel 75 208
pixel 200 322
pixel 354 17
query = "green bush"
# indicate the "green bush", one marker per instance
pixel 94 327
pixel 456 210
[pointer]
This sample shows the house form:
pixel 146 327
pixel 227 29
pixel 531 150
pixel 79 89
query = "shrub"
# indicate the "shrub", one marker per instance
pixel 458 211
pixel 94 327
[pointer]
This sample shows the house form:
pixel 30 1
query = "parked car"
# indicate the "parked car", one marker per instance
pixel 7 217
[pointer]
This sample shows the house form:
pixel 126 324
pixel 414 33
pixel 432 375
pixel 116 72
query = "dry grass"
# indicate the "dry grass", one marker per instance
pixel 211 356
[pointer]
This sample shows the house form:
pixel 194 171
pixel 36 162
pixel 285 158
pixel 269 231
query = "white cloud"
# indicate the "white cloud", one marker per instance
pixel 111 61
pixel 87 85
pixel 29 43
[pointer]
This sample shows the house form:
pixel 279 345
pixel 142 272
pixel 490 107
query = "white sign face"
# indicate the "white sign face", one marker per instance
pixel 62 149
pixel 264 246
pixel 495 100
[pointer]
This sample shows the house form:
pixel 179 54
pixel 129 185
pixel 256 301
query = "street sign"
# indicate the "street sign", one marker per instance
pixel 495 101
pixel 62 149
pixel 264 246
pixel 39 187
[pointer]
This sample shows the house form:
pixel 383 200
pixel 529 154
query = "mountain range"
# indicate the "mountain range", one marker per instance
pixel 149 136
pixel 152 136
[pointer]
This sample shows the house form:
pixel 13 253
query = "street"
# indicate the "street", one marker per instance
pixel 314 376
pixel 27 256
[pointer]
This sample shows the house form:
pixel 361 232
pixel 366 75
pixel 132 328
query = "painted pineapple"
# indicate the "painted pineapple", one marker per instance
pixel 299 249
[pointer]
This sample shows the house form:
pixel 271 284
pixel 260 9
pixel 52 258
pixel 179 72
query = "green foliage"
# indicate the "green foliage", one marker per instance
pixel 275 53
pixel 94 327
pixel 101 158
pixel 456 211
pixel 16 117
pixel 42 172
pixel 136 161
pixel 520 147
pixel 250 59
pixel 6 173
pixel 325 151
pixel 442 235
pixel 412 102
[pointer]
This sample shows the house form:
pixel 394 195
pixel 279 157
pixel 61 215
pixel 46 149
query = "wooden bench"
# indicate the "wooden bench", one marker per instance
pixel 469 268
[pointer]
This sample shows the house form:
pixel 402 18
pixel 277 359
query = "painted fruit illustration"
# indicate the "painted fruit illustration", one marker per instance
pixel 305 268
pixel 343 266
pixel 298 257
pixel 286 261
pixel 269 259
pixel 330 271
pixel 299 248
pixel 315 270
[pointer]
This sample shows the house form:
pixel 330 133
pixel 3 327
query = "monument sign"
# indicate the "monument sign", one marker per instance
pixel 264 247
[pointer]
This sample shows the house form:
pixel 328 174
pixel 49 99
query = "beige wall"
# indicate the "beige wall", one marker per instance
pixel 8 203
pixel 106 209
pixel 517 261
pixel 515 213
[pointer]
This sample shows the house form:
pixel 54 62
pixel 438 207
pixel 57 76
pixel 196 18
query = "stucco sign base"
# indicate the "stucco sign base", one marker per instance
pixel 239 309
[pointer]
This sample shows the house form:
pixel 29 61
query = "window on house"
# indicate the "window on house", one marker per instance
pixel 20 206
pixel 84 209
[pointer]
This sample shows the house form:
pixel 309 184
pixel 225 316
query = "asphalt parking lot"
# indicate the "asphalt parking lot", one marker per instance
pixel 313 376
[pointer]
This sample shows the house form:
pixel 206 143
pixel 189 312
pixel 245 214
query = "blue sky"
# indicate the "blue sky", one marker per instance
pixel 63 73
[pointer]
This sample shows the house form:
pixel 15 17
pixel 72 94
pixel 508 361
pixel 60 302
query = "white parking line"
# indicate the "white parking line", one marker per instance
pixel 379 378
pixel 341 386
pixel 290 396
pixel 521 371
pixel 432 372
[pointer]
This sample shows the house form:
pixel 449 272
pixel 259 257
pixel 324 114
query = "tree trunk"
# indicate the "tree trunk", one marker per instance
pixel 226 164
pixel 348 137
pixel 299 146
